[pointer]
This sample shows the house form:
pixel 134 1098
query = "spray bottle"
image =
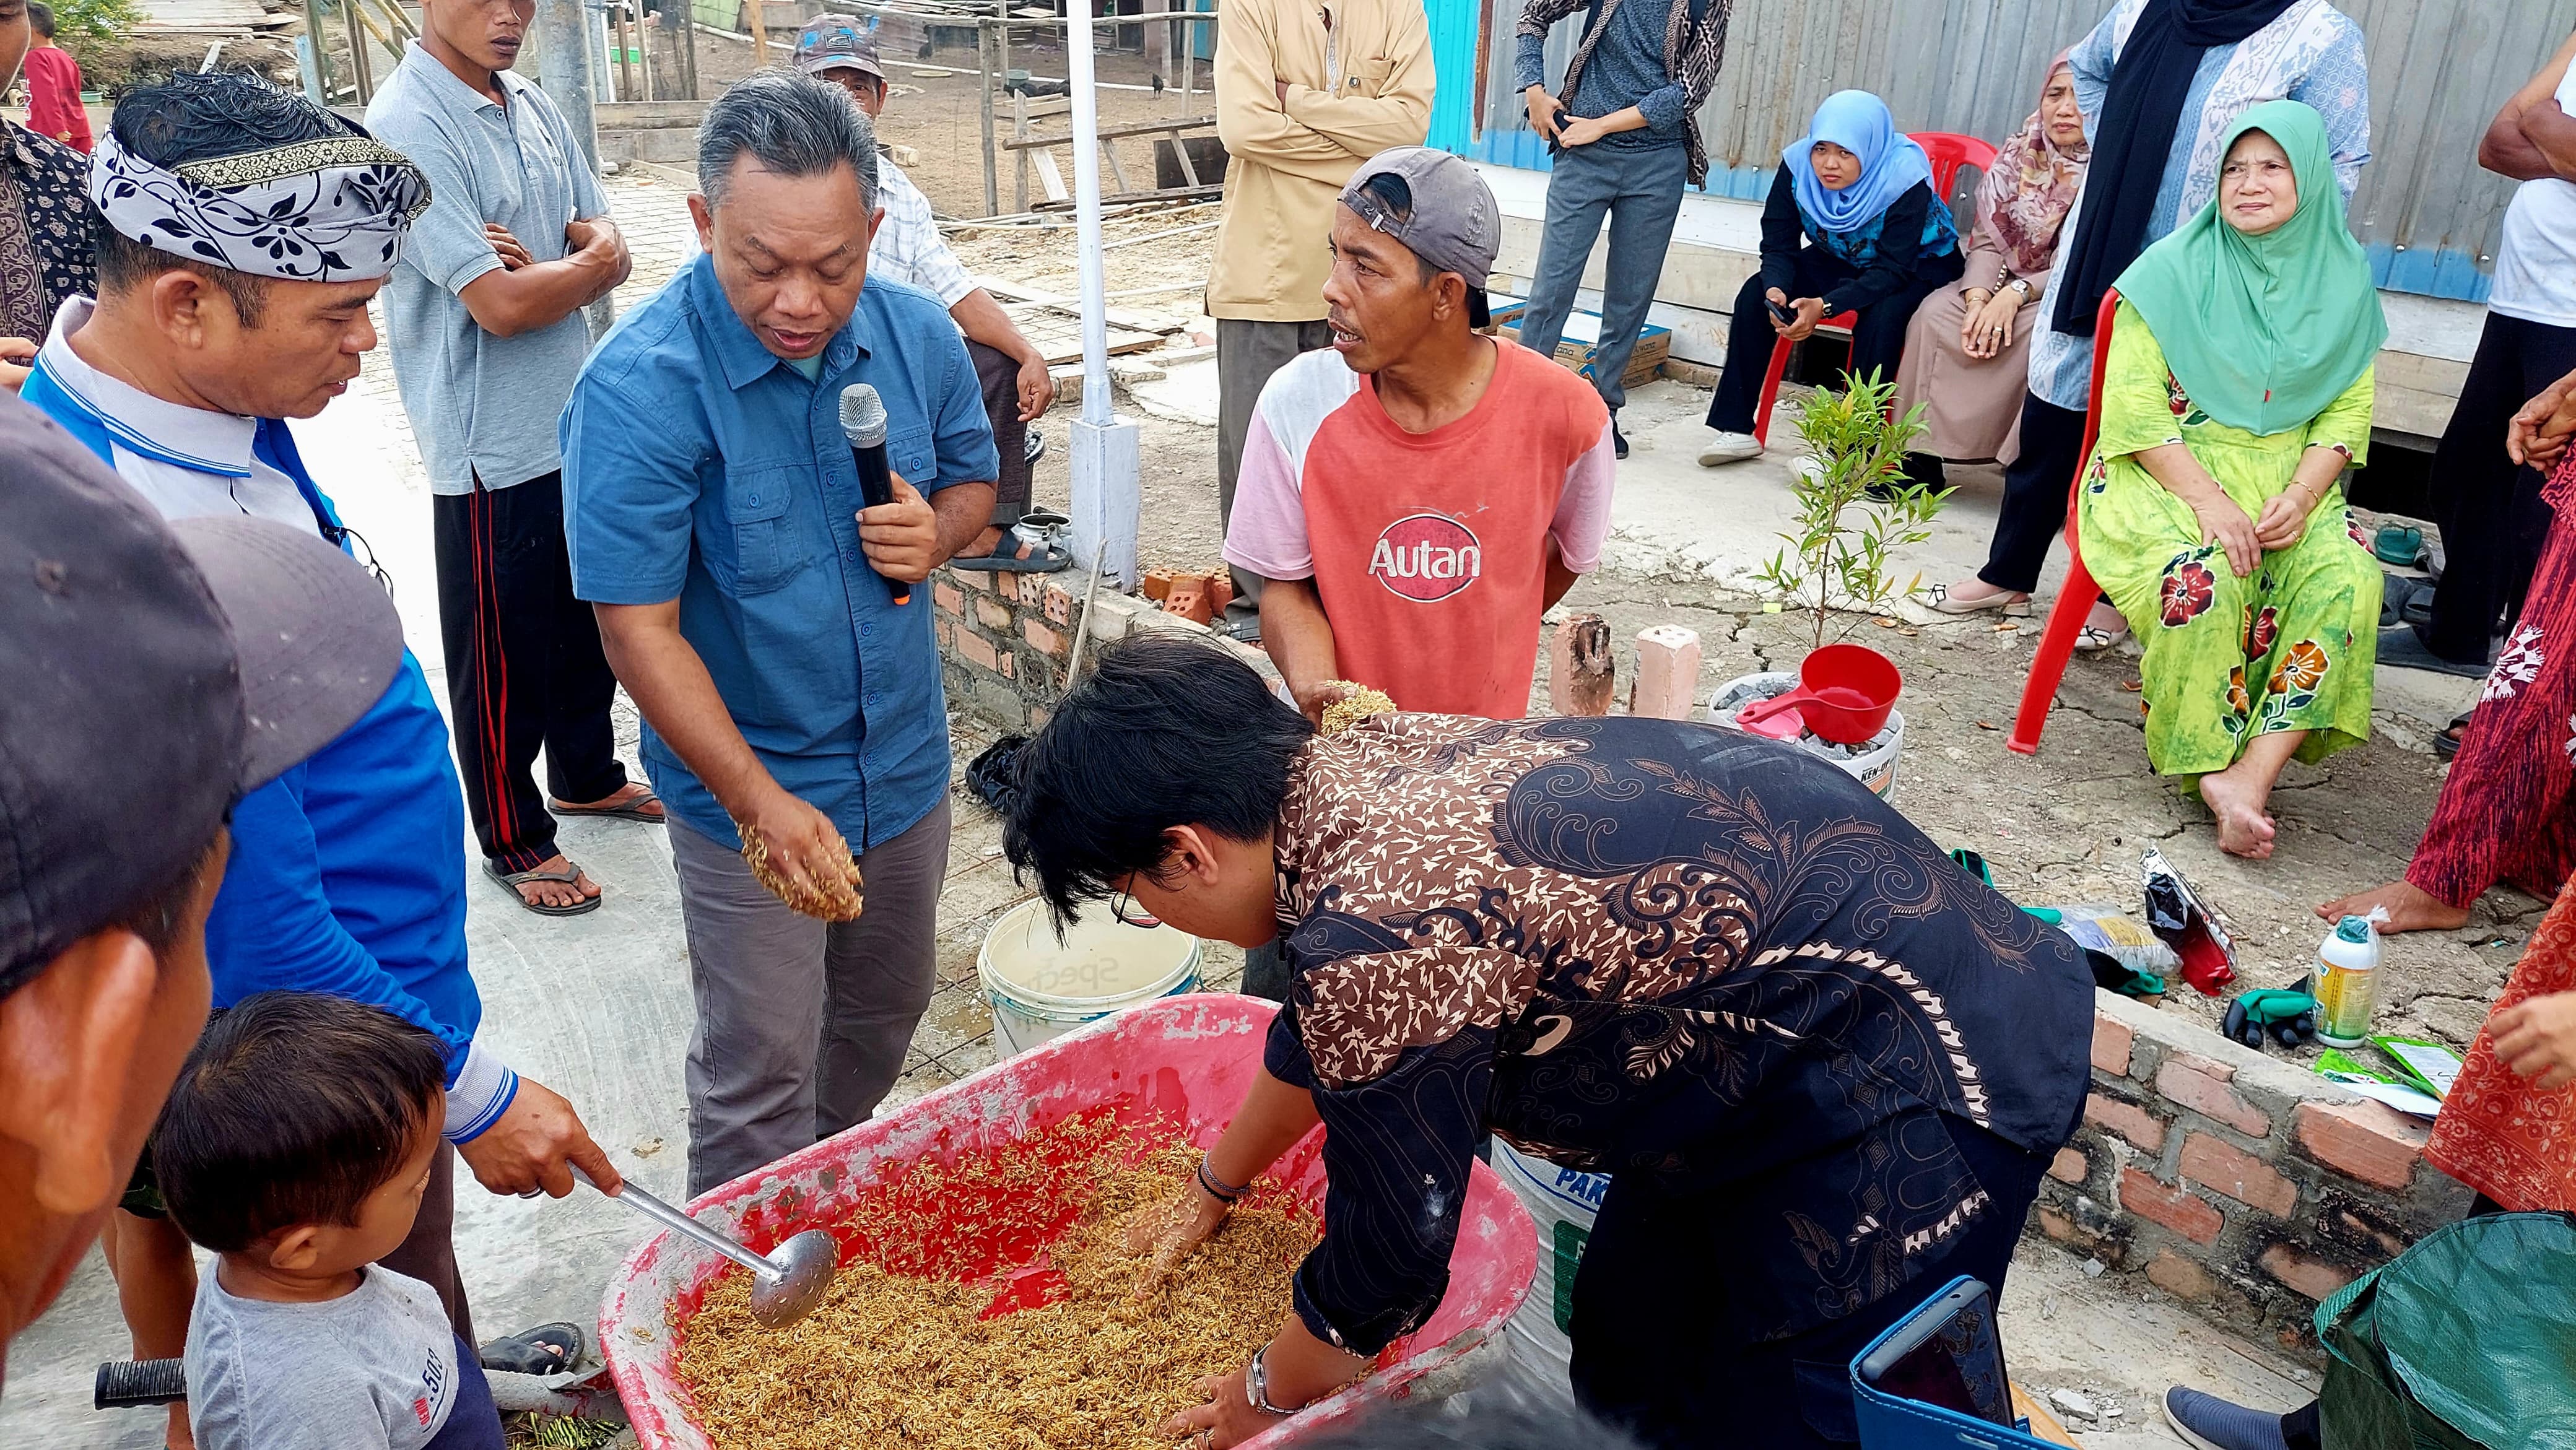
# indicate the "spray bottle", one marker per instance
pixel 2347 982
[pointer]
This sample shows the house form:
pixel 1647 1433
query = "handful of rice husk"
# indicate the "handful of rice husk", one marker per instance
pixel 927 1343
pixel 837 901
pixel 1350 709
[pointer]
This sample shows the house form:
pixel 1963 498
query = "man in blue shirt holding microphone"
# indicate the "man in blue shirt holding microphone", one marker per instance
pixel 746 596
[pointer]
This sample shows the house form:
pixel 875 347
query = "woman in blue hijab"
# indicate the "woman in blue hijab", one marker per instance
pixel 1851 225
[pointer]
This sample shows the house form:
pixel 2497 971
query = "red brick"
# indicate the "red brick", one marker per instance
pixel 2058 1226
pixel 1580 667
pixel 973 578
pixel 2238 1174
pixel 2208 1066
pixel 946 633
pixel 993 616
pixel 2111 1045
pixel 1667 672
pixel 2192 1082
pixel 978 650
pixel 1010 664
pixel 2070 1166
pixel 1158 584
pixel 1059 604
pixel 2135 1124
pixel 2181 1210
pixel 947 597
pixel 2310 1276
pixel 1220 591
pixel 2361 1140
pixel 1042 639
pixel 2180 1277
pixel 1189 600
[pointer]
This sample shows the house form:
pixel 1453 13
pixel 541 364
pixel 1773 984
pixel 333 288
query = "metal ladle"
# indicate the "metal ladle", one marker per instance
pixel 787 1283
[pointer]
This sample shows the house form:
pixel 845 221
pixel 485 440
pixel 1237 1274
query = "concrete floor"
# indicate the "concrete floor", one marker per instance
pixel 597 1006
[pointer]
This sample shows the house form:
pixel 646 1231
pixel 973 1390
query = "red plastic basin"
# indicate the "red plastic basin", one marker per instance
pixel 1184 1059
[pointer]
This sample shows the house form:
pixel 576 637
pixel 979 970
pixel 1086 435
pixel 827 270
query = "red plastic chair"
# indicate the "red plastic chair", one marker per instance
pixel 2075 600
pixel 1948 152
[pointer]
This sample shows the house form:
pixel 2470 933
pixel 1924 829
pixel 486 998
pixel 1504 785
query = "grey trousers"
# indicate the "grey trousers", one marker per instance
pixel 1641 193
pixel 1247 353
pixel 802 1024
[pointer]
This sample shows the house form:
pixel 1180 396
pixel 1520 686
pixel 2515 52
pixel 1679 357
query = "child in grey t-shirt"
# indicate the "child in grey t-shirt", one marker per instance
pixel 296 1146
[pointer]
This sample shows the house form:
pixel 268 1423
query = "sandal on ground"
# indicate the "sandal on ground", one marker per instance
pixel 545 1350
pixel 2093 638
pixel 2399 544
pixel 1043 556
pixel 2447 744
pixel 2400 647
pixel 570 876
pixel 629 809
pixel 1946 599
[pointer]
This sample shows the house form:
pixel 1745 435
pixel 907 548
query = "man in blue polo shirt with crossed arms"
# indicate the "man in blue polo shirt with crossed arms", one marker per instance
pixel 742 587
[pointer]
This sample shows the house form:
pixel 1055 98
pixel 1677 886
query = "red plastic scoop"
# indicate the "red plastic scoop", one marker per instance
pixel 1844 694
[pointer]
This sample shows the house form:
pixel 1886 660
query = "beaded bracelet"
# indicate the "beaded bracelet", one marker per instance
pixel 1217 1188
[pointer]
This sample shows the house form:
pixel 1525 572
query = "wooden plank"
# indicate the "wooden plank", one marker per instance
pixel 1126 317
pixel 1169 193
pixel 1111 133
pixel 1058 334
pixel 1051 180
pixel 1117 170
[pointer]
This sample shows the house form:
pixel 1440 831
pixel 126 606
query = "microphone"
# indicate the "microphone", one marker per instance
pixel 863 421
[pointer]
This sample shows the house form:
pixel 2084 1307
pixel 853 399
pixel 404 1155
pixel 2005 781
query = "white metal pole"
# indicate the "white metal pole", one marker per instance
pixel 1086 215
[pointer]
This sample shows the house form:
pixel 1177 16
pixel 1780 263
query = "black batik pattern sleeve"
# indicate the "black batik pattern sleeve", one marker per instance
pixel 1397 1152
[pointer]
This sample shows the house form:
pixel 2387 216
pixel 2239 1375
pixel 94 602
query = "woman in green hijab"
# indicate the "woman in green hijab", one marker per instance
pixel 2238 389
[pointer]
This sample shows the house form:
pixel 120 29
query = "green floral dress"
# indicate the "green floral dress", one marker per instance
pixel 2288 648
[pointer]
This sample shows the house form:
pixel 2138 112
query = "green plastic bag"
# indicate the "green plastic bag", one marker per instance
pixel 2466 1341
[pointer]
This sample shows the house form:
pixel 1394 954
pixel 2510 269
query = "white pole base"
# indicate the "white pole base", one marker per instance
pixel 1108 498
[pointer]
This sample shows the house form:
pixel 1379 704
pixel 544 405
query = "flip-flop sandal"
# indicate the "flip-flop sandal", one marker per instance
pixel 2399 544
pixel 2447 744
pixel 631 809
pixel 2092 639
pixel 547 1349
pixel 2401 648
pixel 2418 609
pixel 570 875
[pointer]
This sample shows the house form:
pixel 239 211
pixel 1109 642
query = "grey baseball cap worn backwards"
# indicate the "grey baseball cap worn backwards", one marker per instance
pixel 838 42
pixel 156 672
pixel 1452 222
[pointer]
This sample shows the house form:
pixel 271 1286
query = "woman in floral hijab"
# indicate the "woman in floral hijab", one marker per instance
pixel 2238 389
pixel 1967 355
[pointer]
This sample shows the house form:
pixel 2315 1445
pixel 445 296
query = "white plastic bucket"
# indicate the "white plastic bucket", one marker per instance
pixel 1041 988
pixel 1874 767
pixel 1563 1203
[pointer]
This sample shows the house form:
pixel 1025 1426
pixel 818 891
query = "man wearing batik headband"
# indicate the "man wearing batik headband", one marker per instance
pixel 245 230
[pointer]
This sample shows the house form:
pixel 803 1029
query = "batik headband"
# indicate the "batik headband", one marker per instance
pixel 328 210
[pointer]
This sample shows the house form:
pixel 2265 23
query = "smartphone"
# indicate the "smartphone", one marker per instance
pixel 1947 1354
pixel 1786 316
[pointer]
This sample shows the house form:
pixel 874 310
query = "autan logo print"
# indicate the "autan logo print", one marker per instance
pixel 1426 557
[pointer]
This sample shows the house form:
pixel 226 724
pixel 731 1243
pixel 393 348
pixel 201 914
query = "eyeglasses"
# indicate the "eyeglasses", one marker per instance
pixel 1123 906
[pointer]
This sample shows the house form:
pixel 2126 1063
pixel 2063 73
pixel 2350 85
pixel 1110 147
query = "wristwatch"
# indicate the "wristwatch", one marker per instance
pixel 1256 1386
pixel 2021 285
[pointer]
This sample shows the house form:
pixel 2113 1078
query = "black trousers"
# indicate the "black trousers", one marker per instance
pixel 1878 340
pixel 524 666
pixel 999 375
pixel 1660 1268
pixel 2035 492
pixel 2487 506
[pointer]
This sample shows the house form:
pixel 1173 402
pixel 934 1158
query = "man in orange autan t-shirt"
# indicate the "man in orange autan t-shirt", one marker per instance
pixel 54 85
pixel 1418 496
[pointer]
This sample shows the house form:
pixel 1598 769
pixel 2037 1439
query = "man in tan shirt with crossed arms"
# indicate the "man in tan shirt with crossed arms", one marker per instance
pixel 1306 90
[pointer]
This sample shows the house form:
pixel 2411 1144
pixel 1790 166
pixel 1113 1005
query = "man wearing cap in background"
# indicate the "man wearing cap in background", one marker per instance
pixel 773 626
pixel 1305 92
pixel 347 874
pixel 485 317
pixel 158 672
pixel 1416 498
pixel 908 248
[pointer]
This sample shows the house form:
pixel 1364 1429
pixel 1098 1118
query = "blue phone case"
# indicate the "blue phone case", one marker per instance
pixel 1889 1422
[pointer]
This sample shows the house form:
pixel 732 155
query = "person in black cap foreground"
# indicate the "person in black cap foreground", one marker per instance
pixel 348 875
pixel 157 673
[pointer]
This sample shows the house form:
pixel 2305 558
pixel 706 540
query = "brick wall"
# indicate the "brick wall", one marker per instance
pixel 2237 1181
pixel 1004 639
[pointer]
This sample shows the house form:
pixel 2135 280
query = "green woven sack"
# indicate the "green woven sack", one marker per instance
pixel 2466 1341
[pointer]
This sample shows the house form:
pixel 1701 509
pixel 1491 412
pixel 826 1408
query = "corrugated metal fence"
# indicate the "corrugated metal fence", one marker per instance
pixel 2438 71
